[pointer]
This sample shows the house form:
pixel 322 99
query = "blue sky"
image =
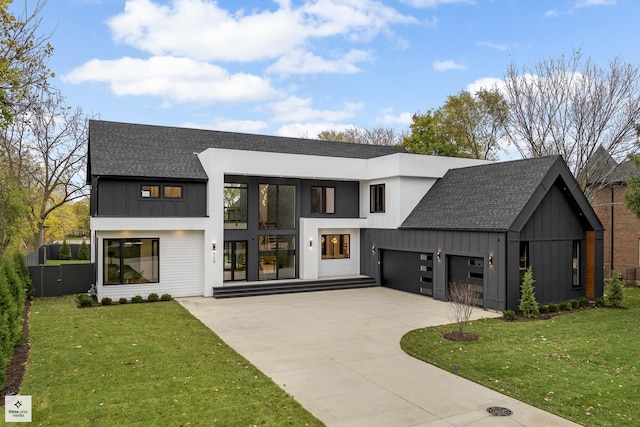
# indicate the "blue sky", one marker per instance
pixel 294 68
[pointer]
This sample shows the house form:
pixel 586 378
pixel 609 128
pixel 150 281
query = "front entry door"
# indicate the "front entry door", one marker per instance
pixel 235 260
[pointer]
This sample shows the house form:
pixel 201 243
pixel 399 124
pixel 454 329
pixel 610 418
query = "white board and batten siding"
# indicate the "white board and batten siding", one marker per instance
pixel 346 266
pixel 181 266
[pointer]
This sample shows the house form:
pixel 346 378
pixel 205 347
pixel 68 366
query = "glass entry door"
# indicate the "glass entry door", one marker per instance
pixel 235 260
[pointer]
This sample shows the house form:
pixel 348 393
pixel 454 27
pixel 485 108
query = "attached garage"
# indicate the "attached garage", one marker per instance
pixel 468 271
pixel 407 271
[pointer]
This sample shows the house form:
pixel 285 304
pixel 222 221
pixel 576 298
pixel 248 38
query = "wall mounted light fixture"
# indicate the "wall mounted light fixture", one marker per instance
pixel 438 255
pixel 214 246
pixel 490 259
pixel 310 243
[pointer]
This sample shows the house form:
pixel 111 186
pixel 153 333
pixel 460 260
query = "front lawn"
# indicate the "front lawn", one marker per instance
pixel 143 364
pixel 581 366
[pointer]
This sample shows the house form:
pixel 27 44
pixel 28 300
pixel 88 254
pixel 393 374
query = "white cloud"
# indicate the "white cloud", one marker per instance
pixel 552 13
pixel 308 130
pixel 487 83
pixel 231 125
pixel 435 3
pixel 202 30
pixel 302 62
pixel 388 118
pixel 295 109
pixel 588 3
pixel 497 46
pixel 176 79
pixel 448 65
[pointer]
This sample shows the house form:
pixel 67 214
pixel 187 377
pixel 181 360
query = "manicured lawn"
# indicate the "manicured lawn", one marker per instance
pixel 143 364
pixel 69 261
pixel 582 366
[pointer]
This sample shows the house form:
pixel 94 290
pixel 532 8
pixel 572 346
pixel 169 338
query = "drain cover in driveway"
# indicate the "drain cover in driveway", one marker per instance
pixel 498 411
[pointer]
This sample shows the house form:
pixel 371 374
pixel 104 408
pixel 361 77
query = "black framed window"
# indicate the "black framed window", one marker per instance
pixel 323 200
pixel 335 246
pixel 235 206
pixel 131 261
pixel 575 264
pixel 277 206
pixel 377 198
pixel 524 255
pixel 172 192
pixel 150 191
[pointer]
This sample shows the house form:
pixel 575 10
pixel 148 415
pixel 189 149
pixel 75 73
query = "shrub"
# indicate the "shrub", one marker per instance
pixel 462 297
pixel 123 300
pixel 566 306
pixel 574 303
pixel 165 297
pixel 106 301
pixel 553 308
pixel 614 291
pixel 583 302
pixel 65 250
pixel 83 251
pixel 599 302
pixel 85 300
pixel 509 315
pixel 544 309
pixel 136 300
pixel 528 304
pixel 153 297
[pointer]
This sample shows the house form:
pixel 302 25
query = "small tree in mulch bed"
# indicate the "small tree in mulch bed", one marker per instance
pixel 462 299
pixel 65 250
pixel 528 304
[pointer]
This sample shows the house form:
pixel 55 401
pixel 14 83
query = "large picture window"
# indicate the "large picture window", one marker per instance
pixel 277 206
pixel 323 200
pixel 377 202
pixel 235 206
pixel 130 261
pixel 335 246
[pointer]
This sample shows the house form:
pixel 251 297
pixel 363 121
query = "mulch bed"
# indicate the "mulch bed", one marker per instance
pixel 18 364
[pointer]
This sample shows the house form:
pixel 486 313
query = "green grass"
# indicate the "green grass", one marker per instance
pixel 582 366
pixel 142 365
pixel 66 261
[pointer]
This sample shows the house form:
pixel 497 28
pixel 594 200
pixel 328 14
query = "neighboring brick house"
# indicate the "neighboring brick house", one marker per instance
pixel 622 227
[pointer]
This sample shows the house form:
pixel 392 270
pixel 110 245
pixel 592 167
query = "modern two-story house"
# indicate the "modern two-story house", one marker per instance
pixel 188 212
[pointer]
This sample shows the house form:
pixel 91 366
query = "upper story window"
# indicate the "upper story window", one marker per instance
pixel 323 200
pixel 235 206
pixel 150 191
pixel 172 192
pixel 377 200
pixel 168 191
pixel 277 206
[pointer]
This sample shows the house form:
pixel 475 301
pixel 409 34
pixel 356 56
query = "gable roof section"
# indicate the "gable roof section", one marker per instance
pixel 146 151
pixel 498 196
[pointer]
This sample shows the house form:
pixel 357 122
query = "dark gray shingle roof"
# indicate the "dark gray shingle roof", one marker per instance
pixel 134 150
pixel 485 197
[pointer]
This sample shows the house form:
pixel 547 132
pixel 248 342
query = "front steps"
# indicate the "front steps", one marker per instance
pixel 287 287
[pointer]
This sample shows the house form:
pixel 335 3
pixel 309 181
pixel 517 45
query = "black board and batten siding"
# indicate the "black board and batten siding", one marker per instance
pixel 347 198
pixel 111 197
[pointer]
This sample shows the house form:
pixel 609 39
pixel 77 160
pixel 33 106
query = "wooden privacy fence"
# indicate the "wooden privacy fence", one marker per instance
pixel 65 279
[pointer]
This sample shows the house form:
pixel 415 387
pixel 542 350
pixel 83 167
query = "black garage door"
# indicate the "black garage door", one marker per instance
pixel 467 270
pixel 408 271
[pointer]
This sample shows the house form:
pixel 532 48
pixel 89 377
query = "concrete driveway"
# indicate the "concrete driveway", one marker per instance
pixel 338 354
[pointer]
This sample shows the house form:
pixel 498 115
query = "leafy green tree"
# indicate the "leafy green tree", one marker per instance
pixel 372 136
pixel 14 226
pixel 65 250
pixel 632 193
pixel 467 125
pixel 528 304
pixel 83 251
pixel 24 54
